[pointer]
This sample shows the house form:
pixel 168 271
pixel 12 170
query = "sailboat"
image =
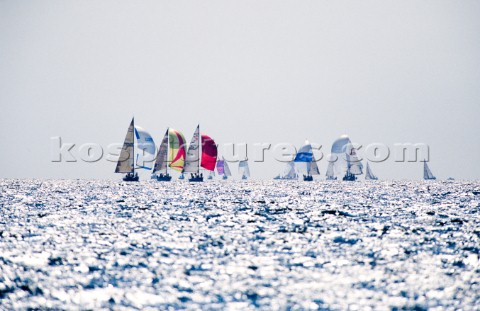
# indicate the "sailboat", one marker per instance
pixel 427 173
pixel 330 171
pixel 223 169
pixel 130 158
pixel 306 162
pixel 346 163
pixel 208 158
pixel 243 169
pixel 172 150
pixel 369 174
pixel 289 173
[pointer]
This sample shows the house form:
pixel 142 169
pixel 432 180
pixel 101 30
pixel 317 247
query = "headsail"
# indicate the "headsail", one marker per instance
pixel 177 150
pixel 125 160
pixel 161 160
pixel 145 152
pixel 427 173
pixel 243 168
pixel 193 154
pixel 209 153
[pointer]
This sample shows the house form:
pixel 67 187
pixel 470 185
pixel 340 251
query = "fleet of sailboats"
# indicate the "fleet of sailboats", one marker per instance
pixel 139 147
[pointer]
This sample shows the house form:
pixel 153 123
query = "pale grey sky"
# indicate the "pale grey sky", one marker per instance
pixel 247 71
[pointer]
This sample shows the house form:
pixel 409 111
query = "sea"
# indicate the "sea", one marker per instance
pixel 239 245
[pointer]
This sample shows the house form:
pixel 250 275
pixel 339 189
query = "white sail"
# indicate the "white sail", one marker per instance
pixel 145 151
pixel 243 168
pixel 125 160
pixel 304 158
pixel 290 170
pixel 338 155
pixel 427 173
pixel 226 169
pixel 161 160
pixel 313 169
pixel 354 164
pixel 192 160
pixel 369 174
pixel 330 171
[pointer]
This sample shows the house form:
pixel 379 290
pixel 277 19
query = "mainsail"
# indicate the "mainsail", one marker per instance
pixel 313 169
pixel 145 149
pixel 161 160
pixel 427 173
pixel 243 168
pixel 369 174
pixel 290 170
pixel 125 160
pixel 330 171
pixel 209 153
pixel 220 167
pixel 193 154
pixel 227 171
pixel 354 164
pixel 177 150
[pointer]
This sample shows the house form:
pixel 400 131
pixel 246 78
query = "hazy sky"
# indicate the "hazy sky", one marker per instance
pixel 247 71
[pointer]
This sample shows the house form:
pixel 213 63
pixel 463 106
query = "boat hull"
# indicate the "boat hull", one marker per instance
pixel 130 178
pixel 196 179
pixel 164 178
pixel 349 177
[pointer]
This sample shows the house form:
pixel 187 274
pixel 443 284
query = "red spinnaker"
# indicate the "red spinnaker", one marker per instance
pixel 209 153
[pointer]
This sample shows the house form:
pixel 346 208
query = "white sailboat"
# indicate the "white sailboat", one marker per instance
pixel 346 162
pixel 132 158
pixel 427 173
pixel 243 169
pixel 193 160
pixel 306 162
pixel 223 169
pixel 369 174
pixel 227 173
pixel 172 150
pixel 330 171
pixel 289 173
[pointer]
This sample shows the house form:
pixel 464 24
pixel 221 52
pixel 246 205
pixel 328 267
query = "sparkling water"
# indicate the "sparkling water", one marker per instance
pixel 79 244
